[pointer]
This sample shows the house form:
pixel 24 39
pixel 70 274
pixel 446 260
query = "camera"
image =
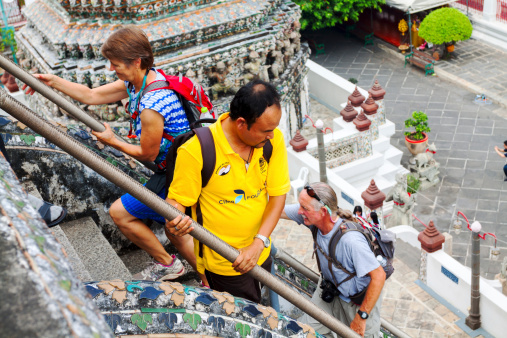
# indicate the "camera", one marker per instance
pixel 329 291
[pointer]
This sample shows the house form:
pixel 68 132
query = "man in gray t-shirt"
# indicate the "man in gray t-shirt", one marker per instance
pixel 318 206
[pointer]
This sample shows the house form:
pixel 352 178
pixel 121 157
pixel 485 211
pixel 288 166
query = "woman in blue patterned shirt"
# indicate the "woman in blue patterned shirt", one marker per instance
pixel 157 117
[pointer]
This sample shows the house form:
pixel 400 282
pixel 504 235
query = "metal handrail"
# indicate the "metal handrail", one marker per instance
pixel 160 206
pixel 58 99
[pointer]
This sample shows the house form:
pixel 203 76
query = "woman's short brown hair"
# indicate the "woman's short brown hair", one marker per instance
pixel 128 44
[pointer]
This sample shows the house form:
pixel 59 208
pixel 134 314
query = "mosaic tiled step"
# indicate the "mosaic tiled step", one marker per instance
pixel 143 307
pixel 176 31
pixel 36 276
pixel 15 134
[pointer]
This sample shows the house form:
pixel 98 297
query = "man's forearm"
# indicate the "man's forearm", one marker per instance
pixel 378 278
pixel 271 214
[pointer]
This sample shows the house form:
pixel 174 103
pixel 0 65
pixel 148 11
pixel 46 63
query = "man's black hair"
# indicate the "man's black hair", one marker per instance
pixel 252 100
pixel 505 143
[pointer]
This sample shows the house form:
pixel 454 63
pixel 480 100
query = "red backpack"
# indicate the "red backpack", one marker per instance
pixel 192 97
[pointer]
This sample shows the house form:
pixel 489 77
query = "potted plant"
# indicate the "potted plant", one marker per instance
pixel 417 141
pixel 445 26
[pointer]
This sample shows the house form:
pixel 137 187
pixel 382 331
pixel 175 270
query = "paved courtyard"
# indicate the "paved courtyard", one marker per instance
pixel 465 133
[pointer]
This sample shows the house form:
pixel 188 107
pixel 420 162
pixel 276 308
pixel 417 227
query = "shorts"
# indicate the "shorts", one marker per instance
pixel 141 211
pixel 244 285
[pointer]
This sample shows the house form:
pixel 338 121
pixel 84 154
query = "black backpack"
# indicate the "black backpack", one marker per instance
pixel 381 242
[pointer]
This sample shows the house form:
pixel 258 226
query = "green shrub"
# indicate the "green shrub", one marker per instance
pixel 419 121
pixel 353 80
pixel 319 14
pixel 445 25
pixel 412 184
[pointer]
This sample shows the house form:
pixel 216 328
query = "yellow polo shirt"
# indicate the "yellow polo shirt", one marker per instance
pixel 234 200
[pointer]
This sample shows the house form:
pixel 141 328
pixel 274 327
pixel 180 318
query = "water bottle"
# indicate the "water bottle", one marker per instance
pixel 205 114
pixel 382 260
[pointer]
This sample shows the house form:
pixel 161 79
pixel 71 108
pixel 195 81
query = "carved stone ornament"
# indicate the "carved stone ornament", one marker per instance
pixel 431 239
pixel 362 122
pixel 298 143
pixel 348 113
pixel 356 98
pixel 373 197
pixel 369 106
pixel 377 92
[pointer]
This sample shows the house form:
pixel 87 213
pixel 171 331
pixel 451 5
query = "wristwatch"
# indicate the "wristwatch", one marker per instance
pixel 362 314
pixel 264 239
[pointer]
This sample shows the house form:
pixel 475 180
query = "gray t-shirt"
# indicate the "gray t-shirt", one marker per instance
pixel 352 251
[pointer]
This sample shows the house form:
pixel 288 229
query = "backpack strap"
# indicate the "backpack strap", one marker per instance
pixel 208 152
pixel 331 258
pixel 155 85
pixel 267 150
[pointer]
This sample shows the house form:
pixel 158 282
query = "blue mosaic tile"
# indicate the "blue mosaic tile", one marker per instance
pixel 294 327
pixel 4 121
pixel 168 319
pixel 252 310
pixel 205 298
pixel 189 289
pixel 217 323
pixel 116 152
pixel 150 293
pixel 239 302
pixel 81 134
pixel 93 291
pixel 264 334
pixel 6 137
pixel 133 285
pixel 113 320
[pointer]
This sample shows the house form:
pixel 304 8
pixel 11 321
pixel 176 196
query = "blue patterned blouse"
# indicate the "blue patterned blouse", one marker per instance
pixel 166 103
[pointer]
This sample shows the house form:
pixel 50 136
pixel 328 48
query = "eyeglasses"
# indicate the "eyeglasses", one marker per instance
pixel 313 194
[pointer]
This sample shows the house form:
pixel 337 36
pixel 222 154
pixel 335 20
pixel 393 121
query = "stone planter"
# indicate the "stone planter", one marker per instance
pixel 416 146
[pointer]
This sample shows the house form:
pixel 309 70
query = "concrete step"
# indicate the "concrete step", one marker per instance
pixel 388 171
pixel 94 251
pixel 365 168
pixel 72 256
pixel 381 144
pixel 393 155
pixel 59 234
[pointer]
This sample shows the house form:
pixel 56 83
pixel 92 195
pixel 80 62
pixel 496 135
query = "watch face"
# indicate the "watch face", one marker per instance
pixel 364 315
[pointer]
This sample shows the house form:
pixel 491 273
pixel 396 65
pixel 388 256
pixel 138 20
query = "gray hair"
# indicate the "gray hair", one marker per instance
pixel 328 196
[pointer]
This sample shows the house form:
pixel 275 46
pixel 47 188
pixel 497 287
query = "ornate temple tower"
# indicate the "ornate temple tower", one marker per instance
pixel 219 44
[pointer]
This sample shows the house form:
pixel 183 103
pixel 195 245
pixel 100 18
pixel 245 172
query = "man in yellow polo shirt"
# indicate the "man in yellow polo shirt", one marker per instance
pixel 244 198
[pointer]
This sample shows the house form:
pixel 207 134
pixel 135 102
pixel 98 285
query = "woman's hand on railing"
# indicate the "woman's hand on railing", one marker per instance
pixel 47 79
pixel 107 136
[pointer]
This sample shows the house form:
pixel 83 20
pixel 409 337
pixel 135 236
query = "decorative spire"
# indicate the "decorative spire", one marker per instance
pixel 348 113
pixel 356 98
pixel 362 122
pixel 431 239
pixel 298 143
pixel 369 106
pixel 373 197
pixel 377 92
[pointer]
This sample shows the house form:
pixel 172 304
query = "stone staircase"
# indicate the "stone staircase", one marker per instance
pixel 91 255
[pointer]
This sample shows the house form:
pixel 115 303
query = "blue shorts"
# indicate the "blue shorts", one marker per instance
pixel 141 211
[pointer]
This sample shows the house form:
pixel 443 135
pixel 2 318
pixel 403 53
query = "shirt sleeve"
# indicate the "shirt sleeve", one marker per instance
pixel 278 181
pixel 187 183
pixel 359 253
pixel 291 210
